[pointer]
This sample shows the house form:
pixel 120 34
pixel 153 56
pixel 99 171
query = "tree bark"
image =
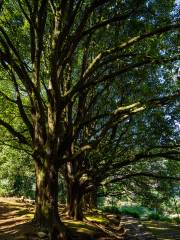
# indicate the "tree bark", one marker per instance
pixel 46 211
pixel 75 205
pixel 91 199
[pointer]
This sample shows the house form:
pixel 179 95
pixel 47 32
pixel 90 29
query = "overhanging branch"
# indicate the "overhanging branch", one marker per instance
pixel 144 174
pixel 129 43
pixel 13 132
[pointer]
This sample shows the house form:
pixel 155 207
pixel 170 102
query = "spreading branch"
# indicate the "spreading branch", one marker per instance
pixel 142 174
pixel 14 133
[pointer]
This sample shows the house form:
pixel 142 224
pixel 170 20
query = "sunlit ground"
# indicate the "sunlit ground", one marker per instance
pixel 163 230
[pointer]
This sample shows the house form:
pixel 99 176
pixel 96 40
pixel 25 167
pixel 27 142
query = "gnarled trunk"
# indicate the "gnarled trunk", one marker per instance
pixel 46 212
pixel 75 205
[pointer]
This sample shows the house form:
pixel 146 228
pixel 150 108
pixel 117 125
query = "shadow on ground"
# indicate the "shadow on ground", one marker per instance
pixel 15 224
pixel 12 222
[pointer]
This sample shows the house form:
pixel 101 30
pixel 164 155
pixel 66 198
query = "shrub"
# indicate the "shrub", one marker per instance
pixel 176 219
pixel 112 209
pixel 131 211
pixel 159 217
pixel 154 216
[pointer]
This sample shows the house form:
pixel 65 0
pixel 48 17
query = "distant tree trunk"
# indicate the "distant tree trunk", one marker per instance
pixel 75 194
pixel 91 199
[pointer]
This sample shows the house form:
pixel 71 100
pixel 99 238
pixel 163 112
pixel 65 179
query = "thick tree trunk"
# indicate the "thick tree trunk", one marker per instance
pixel 46 212
pixel 46 195
pixel 75 205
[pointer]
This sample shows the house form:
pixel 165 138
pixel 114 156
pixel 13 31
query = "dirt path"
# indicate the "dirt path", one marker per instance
pixel 135 230
pixel 15 224
pixel 163 230
pixel 14 220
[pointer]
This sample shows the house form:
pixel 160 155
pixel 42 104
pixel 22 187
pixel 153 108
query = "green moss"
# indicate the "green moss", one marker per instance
pixel 99 219
pixel 79 226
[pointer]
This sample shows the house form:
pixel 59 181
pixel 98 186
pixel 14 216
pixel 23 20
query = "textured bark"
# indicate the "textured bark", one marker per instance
pixel 75 205
pixel 46 213
pixel 46 195
pixel 90 199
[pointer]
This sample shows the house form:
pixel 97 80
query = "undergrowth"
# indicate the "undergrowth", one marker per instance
pixel 140 213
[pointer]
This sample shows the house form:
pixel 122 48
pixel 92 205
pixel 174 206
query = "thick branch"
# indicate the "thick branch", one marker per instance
pixel 144 174
pixel 15 133
pixel 129 43
pixel 7 98
pixel 21 107
pixel 122 113
pixel 171 155
pixel 102 78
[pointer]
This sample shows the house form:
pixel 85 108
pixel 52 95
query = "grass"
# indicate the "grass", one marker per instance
pixel 80 227
pixel 98 219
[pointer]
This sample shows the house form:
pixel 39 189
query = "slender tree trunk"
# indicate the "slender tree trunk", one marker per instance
pixel 91 199
pixel 46 212
pixel 75 205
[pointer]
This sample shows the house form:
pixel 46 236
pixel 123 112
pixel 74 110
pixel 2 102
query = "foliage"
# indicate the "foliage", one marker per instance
pixel 131 211
pixel 140 212
pixel 176 219
pixel 17 174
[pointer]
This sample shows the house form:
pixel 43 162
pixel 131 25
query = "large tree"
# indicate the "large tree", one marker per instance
pixel 61 60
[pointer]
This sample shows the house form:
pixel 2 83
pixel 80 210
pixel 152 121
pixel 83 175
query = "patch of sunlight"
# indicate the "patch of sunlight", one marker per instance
pixel 22 212
pixel 159 228
pixel 79 226
pixel 74 222
pixel 30 215
pixel 97 210
pixel 163 230
pixel 98 219
pixel 85 230
pixel 14 204
pixel 165 238
pixel 14 207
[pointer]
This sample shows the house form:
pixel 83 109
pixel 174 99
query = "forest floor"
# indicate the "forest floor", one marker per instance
pixel 16 216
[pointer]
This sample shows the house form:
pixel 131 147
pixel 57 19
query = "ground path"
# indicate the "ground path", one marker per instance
pixel 14 219
pixel 16 216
